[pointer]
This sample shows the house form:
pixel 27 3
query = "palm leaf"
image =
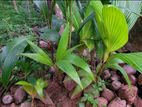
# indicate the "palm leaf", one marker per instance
pixel 9 56
pixel 66 67
pixel 85 80
pixel 63 43
pixel 131 10
pixel 77 61
pixel 28 87
pixel 39 56
pixel 123 72
pixel 115 29
pixel 133 59
pixel 76 17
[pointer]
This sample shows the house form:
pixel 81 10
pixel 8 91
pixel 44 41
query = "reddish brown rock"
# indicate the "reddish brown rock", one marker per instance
pixel 117 102
pixel 107 94
pixel 13 89
pixel 25 104
pixel 9 105
pixel 19 95
pixel 129 94
pixel 116 85
pixel 128 105
pixel 69 84
pixel 13 105
pixel 140 79
pixel 138 102
pixel 129 69
pixel 106 74
pixel 43 44
pixel 102 102
pixel 7 99
pixel 115 77
pixel 132 79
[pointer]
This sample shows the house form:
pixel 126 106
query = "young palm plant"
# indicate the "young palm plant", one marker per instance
pixel 65 59
pixel 9 57
pixel 111 34
pixel 34 90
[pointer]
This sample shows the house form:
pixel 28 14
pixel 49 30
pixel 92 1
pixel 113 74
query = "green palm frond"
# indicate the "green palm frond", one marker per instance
pixel 131 10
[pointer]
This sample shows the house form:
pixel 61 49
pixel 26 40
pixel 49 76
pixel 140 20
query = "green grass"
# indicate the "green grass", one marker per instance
pixel 19 23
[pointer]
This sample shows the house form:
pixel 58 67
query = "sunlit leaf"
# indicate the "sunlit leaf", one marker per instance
pixel 63 43
pixel 115 29
pixel 66 67
pixel 133 59
pixel 97 8
pixel 90 44
pixel 40 85
pixel 87 31
pixel 37 57
pixel 40 55
pixel 76 18
pixel 86 81
pixel 112 26
pixel 28 87
pixel 77 61
pixel 69 51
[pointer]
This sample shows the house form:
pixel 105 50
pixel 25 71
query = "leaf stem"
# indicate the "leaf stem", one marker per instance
pixel 101 69
pixel 70 22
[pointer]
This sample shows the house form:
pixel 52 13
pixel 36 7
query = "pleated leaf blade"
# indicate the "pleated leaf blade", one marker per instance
pixel 115 29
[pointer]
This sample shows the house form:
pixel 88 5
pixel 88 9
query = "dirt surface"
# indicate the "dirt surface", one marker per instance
pixel 135 37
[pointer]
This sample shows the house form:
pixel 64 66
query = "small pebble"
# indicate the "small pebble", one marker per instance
pixel 106 74
pixel 25 104
pixel 140 79
pixel 129 94
pixel 19 95
pixel 107 94
pixel 132 79
pixel 117 102
pixel 116 85
pixel 7 99
pixel 138 102
pixel 102 102
pixel 115 77
pixel 129 69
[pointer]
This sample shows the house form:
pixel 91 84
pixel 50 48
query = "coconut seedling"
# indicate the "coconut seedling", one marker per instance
pixel 111 34
pixel 34 90
pixel 64 58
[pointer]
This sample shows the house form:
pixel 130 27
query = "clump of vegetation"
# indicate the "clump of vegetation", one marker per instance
pixel 65 29
pixel 34 89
